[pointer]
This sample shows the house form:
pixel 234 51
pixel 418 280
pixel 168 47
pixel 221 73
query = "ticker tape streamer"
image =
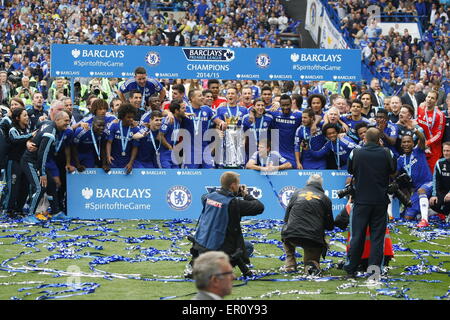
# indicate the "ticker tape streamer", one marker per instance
pixel 60 240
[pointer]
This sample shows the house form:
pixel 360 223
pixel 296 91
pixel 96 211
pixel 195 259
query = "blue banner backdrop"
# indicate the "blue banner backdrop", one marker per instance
pixel 176 193
pixel 72 60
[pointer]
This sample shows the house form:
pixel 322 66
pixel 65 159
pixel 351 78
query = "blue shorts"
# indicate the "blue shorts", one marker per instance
pixel 86 160
pixel 198 166
pixel 142 164
pixel 166 163
pixel 166 160
pixel 121 165
pixel 414 210
pixel 207 161
pixel 51 166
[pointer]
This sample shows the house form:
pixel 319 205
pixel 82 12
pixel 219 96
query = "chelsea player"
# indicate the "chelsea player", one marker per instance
pixel 306 143
pixel 232 114
pixel 230 109
pixel 354 118
pixel 99 108
pixel 286 122
pixel 199 118
pixel 121 148
pixel 150 142
pixel 340 147
pixel 171 129
pixel 413 161
pixel 267 160
pixel 256 126
pixel 89 145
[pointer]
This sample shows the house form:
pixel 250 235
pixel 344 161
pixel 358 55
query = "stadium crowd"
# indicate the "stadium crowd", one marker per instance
pixel 397 57
pixel 143 122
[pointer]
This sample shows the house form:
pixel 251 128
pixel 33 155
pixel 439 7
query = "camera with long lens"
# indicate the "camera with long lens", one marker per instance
pixel 15 78
pixel 304 145
pixel 96 91
pixel 402 181
pixel 347 191
pixel 77 93
pixel 26 93
pixel 241 192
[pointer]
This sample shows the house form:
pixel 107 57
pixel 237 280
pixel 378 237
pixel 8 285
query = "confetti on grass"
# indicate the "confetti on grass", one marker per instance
pixel 100 246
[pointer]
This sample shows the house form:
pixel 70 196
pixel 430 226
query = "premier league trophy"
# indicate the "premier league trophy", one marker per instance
pixel 234 144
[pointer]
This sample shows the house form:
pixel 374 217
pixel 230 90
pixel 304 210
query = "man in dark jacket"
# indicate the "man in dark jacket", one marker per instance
pixel 371 167
pixel 34 165
pixel 308 214
pixel 219 225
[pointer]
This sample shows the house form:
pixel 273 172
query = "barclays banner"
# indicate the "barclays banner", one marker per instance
pixel 72 60
pixel 176 193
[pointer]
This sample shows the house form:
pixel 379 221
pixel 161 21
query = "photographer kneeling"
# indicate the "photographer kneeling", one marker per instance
pixel 308 214
pixel 219 225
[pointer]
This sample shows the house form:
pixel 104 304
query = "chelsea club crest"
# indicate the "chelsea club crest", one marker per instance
pixel 152 58
pixel 262 60
pixel 179 197
pixel 285 195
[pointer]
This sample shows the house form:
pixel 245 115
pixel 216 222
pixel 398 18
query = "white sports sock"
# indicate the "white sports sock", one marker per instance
pixel 389 208
pixel 423 203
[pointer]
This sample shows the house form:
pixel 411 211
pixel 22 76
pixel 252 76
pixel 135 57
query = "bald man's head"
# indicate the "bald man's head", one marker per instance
pixel 62 120
pixel 373 135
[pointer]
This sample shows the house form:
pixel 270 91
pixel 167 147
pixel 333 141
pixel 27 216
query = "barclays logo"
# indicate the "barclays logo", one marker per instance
pixel 76 53
pixel 295 57
pixel 87 193
pixel 116 193
pixel 118 54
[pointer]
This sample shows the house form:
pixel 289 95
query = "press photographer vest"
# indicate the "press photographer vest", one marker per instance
pixel 213 221
pixel 53 91
pixel 347 90
pixel 26 100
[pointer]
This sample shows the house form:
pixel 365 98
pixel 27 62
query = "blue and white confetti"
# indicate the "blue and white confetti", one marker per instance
pixel 63 242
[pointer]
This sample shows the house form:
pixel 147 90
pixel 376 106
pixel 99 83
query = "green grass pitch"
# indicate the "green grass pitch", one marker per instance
pixel 145 259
